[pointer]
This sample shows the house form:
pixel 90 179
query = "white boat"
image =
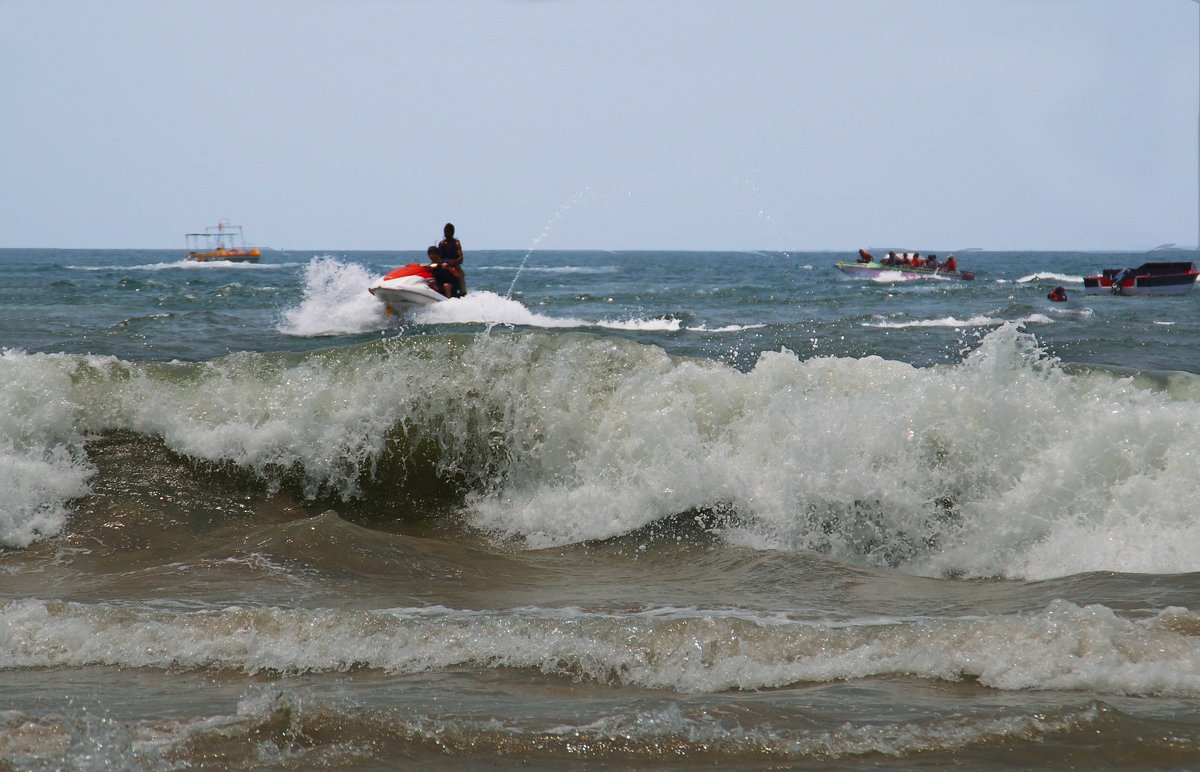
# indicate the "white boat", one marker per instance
pixel 402 290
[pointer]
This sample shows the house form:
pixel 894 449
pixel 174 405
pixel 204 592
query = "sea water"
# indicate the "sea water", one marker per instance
pixel 613 510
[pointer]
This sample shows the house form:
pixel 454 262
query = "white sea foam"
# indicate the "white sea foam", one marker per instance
pixel 336 302
pixel 662 324
pixel 693 651
pixel 1056 278
pixel 484 307
pixel 895 277
pixel 1003 465
pixel 1063 309
pixel 968 469
pixel 42 464
pixel 956 323
pixel 727 328
pixel 187 265
pixel 638 734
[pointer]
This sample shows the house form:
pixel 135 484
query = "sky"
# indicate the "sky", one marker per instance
pixel 787 125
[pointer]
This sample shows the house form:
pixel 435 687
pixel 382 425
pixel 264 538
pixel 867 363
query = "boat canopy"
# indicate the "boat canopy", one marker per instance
pixel 221 236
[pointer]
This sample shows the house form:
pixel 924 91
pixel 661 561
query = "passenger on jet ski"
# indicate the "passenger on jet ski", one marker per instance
pixel 444 279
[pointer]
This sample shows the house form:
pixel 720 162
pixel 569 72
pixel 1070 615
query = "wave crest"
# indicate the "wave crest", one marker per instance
pixel 1004 464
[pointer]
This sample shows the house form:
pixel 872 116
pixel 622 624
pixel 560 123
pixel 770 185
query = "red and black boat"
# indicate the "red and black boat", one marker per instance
pixel 1146 279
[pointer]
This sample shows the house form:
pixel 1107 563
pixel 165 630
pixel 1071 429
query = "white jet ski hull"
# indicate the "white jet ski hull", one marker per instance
pixel 404 293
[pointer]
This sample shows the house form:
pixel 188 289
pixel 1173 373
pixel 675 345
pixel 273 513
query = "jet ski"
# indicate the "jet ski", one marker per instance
pixel 406 288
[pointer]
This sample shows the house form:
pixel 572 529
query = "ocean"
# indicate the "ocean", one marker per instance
pixel 612 511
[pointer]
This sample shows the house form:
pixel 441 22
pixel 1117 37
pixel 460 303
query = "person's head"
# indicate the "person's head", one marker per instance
pixel 431 252
pixel 449 230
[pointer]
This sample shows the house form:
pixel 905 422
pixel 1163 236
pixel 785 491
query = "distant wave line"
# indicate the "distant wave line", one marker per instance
pixel 1061 278
pixel 187 265
pixel 950 321
pixel 568 269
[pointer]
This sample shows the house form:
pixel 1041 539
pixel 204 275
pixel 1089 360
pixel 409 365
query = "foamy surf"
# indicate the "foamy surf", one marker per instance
pixel 1001 465
pixel 336 302
pixel 757 540
pixel 1047 276
pixel 188 265
pixel 286 726
pixel 689 651
pixel 956 323
pixel 42 461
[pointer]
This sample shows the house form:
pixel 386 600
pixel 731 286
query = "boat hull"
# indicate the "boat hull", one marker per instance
pixel 406 289
pixel 227 256
pixel 1147 279
pixel 877 270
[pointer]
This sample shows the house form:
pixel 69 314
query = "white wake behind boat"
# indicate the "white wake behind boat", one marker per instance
pixel 402 290
pixel 874 270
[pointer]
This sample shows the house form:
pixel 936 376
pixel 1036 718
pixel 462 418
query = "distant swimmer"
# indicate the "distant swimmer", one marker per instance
pixel 1058 295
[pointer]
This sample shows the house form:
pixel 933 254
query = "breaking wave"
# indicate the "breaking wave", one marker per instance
pixel 1002 465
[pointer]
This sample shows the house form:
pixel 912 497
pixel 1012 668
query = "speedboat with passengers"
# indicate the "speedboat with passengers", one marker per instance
pixel 899 266
pixel 1146 279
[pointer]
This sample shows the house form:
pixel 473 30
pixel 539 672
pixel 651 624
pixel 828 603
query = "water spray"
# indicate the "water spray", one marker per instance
pixel 562 210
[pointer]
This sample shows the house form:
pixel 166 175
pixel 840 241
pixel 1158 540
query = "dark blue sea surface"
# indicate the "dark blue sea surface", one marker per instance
pixel 619 510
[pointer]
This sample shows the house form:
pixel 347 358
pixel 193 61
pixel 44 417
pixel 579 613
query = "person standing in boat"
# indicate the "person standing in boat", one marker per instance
pixel 451 254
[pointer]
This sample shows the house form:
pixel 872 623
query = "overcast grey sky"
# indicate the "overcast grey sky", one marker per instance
pixel 607 124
